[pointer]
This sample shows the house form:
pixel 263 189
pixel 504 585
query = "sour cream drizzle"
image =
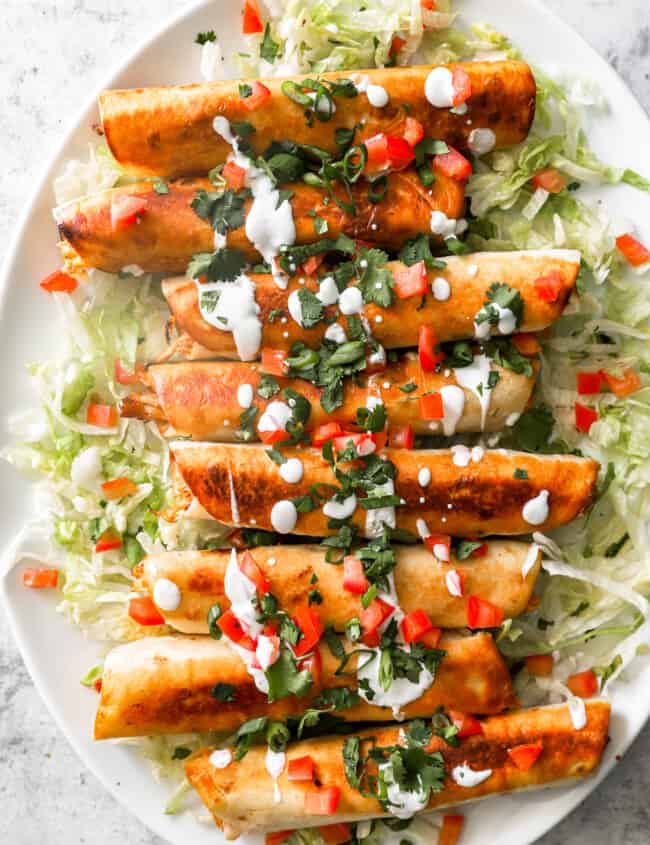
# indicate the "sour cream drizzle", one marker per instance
pixel 453 405
pixel 535 511
pixel 464 776
pixel 475 378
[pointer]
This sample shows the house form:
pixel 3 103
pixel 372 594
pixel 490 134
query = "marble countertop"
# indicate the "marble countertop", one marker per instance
pixel 51 55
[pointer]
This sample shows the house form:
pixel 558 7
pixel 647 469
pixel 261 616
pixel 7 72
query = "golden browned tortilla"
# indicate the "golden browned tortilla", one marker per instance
pixel 241 795
pixel 169 131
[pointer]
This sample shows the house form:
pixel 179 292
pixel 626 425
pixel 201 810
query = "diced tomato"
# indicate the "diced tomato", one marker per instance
pixel 439 544
pixel 431 407
pixel 277 837
pixel 467 724
pixel 231 628
pixel 462 85
pixel 103 416
pixel 539 664
pixel 274 361
pixel 412 281
pixel 234 175
pixel 123 376
pixel 525 756
pixel 583 684
pixel 374 615
pixel 628 383
pixel 429 349
pixel 550 180
pixel 588 383
pixel 395 46
pixel 326 432
pixel 118 488
pixel 322 802
pixel 270 629
pixel 314 665
pixel 371 639
pixel 59 282
pixel 252 571
pixel 413 131
pixel 634 252
pixel 414 625
pixel 308 620
pixel 585 417
pixel 126 210
pixel 354 578
pixel 252 21
pixel 380 439
pixel 273 436
pixel 431 638
pixel 108 541
pixel 483 614
pixel 387 152
pixel 452 827
pixel 40 579
pixel 429 5
pixel 402 438
pixel 259 96
pixel 144 611
pixel 97 684
pixel 526 343
pixel 549 287
pixel 453 164
pixel 302 768
pixel 364 443
pixel 312 264
pixel 336 834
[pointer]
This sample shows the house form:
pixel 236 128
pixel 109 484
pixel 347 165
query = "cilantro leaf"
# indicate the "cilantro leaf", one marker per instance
pixel 224 692
pixel 506 297
pixel 351 759
pixel 224 210
pixel 160 186
pixel 284 678
pixel 268 386
pixel 376 282
pixel 504 353
pixel 269 48
pixel 203 37
pixel 311 308
pixel 419 249
pixel 224 265
pixel 464 548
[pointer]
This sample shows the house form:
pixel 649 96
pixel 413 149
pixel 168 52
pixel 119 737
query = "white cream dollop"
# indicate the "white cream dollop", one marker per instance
pixel 376 518
pixel 377 96
pixel 439 88
pixel 328 292
pixel 577 712
pixel 453 405
pixel 242 595
pixel 402 803
pixel 464 776
pixel 166 594
pixel 481 141
pixel 291 470
pixel 351 301
pixel 475 377
pixel 535 511
pixel 245 395
pixel 336 333
pixel 441 289
pixel 236 312
pixel 284 516
pixel 275 417
pixel 221 758
pixel 424 476
pixel 340 510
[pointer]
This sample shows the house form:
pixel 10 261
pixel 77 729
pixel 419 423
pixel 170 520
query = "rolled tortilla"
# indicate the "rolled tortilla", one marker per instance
pixel 169 131
pixel 505 576
pixel 239 485
pixel 469 277
pixel 169 231
pixel 200 399
pixel 163 685
pixel 241 795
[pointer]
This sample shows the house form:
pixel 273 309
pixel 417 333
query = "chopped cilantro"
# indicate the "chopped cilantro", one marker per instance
pixel 268 386
pixel 408 388
pixel 224 210
pixel 224 265
pixel 224 692
pixel 311 308
pixel 203 37
pixel 160 186
pixel 269 48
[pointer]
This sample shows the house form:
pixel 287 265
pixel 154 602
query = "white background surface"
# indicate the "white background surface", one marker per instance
pixel 52 54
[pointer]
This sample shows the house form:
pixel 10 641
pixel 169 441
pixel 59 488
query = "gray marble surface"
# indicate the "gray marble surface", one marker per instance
pixel 52 54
